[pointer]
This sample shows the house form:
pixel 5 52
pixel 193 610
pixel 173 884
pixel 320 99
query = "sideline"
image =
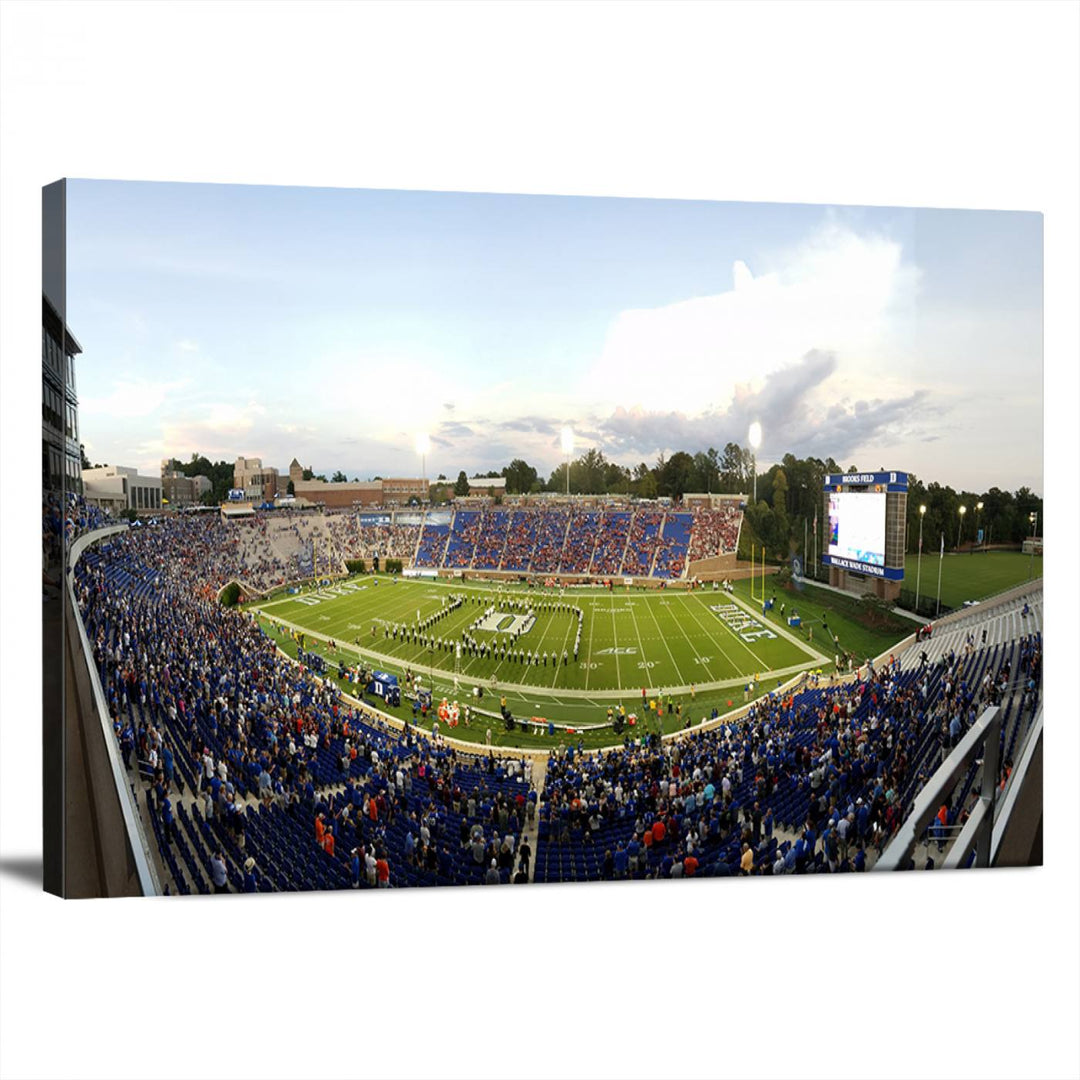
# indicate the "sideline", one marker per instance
pixel 820 658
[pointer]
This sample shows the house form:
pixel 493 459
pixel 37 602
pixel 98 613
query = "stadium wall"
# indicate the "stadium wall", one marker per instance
pixel 104 846
pixel 719 566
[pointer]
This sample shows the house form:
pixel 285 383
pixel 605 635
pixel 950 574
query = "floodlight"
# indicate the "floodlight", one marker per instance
pixel 755 435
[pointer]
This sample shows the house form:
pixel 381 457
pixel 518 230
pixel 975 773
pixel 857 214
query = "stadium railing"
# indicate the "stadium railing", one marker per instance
pixel 126 866
pixel 982 741
pixel 1015 823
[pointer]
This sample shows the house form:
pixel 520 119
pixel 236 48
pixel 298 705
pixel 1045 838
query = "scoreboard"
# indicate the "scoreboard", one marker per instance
pixel 865 518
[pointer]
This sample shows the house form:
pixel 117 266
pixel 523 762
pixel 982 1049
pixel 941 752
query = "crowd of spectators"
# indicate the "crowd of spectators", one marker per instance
pixel 581 536
pixel 356 539
pixel 551 529
pixel 644 532
pixel 521 536
pixel 64 518
pixel 269 550
pixel 715 532
pixel 835 768
pixel 432 546
pixel 611 542
pixel 491 539
pixel 673 546
pixel 204 703
pixel 205 706
pixel 464 533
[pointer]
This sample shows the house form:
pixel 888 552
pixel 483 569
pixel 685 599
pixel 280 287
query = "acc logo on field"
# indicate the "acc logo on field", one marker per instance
pixel 631 651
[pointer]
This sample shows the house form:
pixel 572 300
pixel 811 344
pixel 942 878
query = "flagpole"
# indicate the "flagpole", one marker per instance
pixel 941 559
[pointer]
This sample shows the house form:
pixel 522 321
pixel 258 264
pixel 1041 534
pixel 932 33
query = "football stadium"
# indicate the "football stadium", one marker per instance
pixel 305 698
pixel 556 622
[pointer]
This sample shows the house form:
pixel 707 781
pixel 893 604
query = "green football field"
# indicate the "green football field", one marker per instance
pixel 700 648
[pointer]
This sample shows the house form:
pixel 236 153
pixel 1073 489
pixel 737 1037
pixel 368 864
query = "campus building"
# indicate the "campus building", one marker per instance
pixel 492 486
pixel 255 480
pixel 178 490
pixel 340 496
pixel 116 488
pixel 61 460
pixel 397 492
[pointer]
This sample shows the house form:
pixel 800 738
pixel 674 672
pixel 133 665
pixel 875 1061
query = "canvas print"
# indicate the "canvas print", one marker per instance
pixel 399 538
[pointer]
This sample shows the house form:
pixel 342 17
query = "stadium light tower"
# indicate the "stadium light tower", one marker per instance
pixel 1033 517
pixel 423 445
pixel 568 450
pixel 918 574
pixel 960 527
pixel 754 436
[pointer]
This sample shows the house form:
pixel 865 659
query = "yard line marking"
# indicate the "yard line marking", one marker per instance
pixel 644 658
pixel 566 637
pixel 734 666
pixel 689 640
pixel 615 634
pixel 588 658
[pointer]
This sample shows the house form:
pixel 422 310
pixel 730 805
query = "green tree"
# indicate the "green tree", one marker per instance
pixel 616 478
pixel 677 474
pixel 557 480
pixel 732 469
pixel 780 491
pixel 707 471
pixel 520 477
pixel 592 469
pixel 338 478
pixel 647 486
pixel 291 488
pixel 461 487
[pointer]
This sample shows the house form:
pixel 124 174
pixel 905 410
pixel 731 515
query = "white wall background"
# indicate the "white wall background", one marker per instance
pixel 965 105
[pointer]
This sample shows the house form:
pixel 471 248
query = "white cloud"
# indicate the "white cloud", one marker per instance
pixel 839 291
pixel 131 398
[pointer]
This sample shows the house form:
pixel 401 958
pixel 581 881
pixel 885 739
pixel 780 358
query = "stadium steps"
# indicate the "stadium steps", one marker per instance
pixel 419 534
pixel 449 539
pixel 531 832
pixel 656 549
pixel 506 540
pixel 562 546
pixel 626 546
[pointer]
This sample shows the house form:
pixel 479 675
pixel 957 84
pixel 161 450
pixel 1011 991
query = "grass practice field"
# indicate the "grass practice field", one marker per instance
pixel 971 577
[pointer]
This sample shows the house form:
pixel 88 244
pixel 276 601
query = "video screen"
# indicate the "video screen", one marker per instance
pixel 857 526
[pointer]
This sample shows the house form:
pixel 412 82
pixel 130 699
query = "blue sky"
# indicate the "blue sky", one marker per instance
pixel 332 325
